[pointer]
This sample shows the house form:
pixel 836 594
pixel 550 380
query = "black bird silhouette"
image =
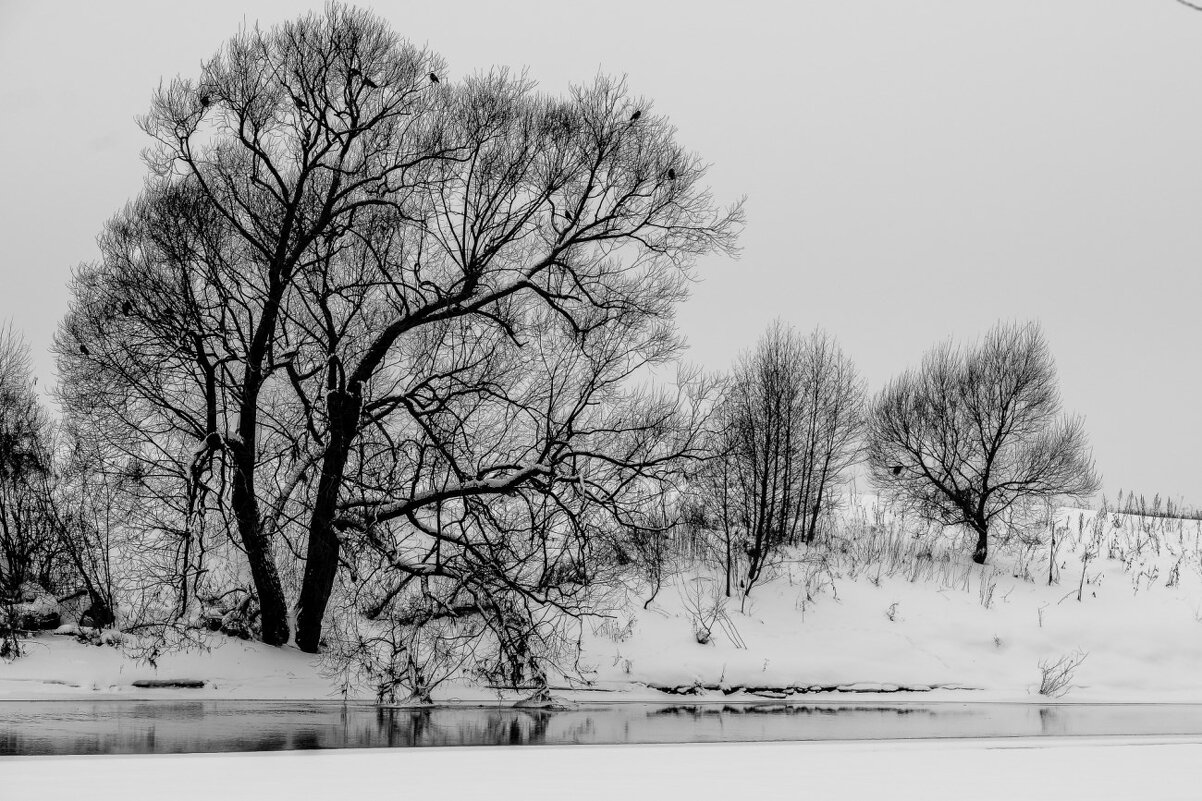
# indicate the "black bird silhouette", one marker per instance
pixel 897 468
pixel 204 101
pixel 433 78
pixel 671 174
pixel 126 308
pixel 636 115
pixel 84 349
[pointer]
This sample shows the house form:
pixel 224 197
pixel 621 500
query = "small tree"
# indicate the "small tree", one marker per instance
pixel 975 433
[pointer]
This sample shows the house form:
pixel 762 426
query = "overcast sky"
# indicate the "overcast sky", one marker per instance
pixel 914 170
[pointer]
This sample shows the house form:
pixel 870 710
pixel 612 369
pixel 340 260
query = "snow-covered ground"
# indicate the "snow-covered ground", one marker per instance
pixel 1059 770
pixel 888 609
pixel 913 612
pixel 56 666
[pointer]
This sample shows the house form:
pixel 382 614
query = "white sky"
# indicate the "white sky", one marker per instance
pixel 914 170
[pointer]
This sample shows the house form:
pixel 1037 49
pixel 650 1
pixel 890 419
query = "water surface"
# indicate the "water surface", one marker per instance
pixel 162 727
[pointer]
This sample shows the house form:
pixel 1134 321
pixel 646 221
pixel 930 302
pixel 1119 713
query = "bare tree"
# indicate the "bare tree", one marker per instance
pixel 713 498
pixel 287 135
pixel 527 489
pixel 571 210
pixel 150 357
pixel 789 426
pixel 974 433
pixel 832 426
pixel 29 550
pixel 354 297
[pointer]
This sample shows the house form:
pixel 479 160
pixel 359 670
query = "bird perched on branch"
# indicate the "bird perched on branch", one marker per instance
pixel 671 174
pixel 433 78
pixel 84 349
pixel 897 468
pixel 635 116
pixel 127 308
pixel 356 72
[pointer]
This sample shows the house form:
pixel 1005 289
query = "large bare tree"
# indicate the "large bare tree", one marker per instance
pixel 339 272
pixel 286 135
pixel 975 432
pixel 580 212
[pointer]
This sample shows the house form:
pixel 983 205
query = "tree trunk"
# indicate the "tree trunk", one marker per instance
pixel 727 563
pixel 982 550
pixel 272 606
pixel 812 529
pixel 273 609
pixel 321 560
pixel 823 476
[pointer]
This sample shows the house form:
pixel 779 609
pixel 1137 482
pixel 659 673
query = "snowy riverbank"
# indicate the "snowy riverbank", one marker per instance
pixel 896 618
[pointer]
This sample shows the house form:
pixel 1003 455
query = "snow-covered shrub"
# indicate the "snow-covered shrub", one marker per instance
pixel 92 636
pixel 36 611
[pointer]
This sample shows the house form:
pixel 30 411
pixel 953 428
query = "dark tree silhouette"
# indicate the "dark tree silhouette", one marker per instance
pixel 289 147
pixel 27 538
pixel 389 329
pixel 543 207
pixel 787 429
pixel 977 432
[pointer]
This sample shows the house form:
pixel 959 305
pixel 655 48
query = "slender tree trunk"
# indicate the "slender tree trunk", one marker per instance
pixel 321 561
pixel 727 564
pixel 823 476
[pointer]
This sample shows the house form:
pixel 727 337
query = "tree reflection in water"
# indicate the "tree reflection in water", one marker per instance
pixel 149 727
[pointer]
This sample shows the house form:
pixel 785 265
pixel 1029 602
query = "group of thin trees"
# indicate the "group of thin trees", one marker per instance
pixel 364 364
pixel 786 430
pixel 28 551
pixel 48 519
